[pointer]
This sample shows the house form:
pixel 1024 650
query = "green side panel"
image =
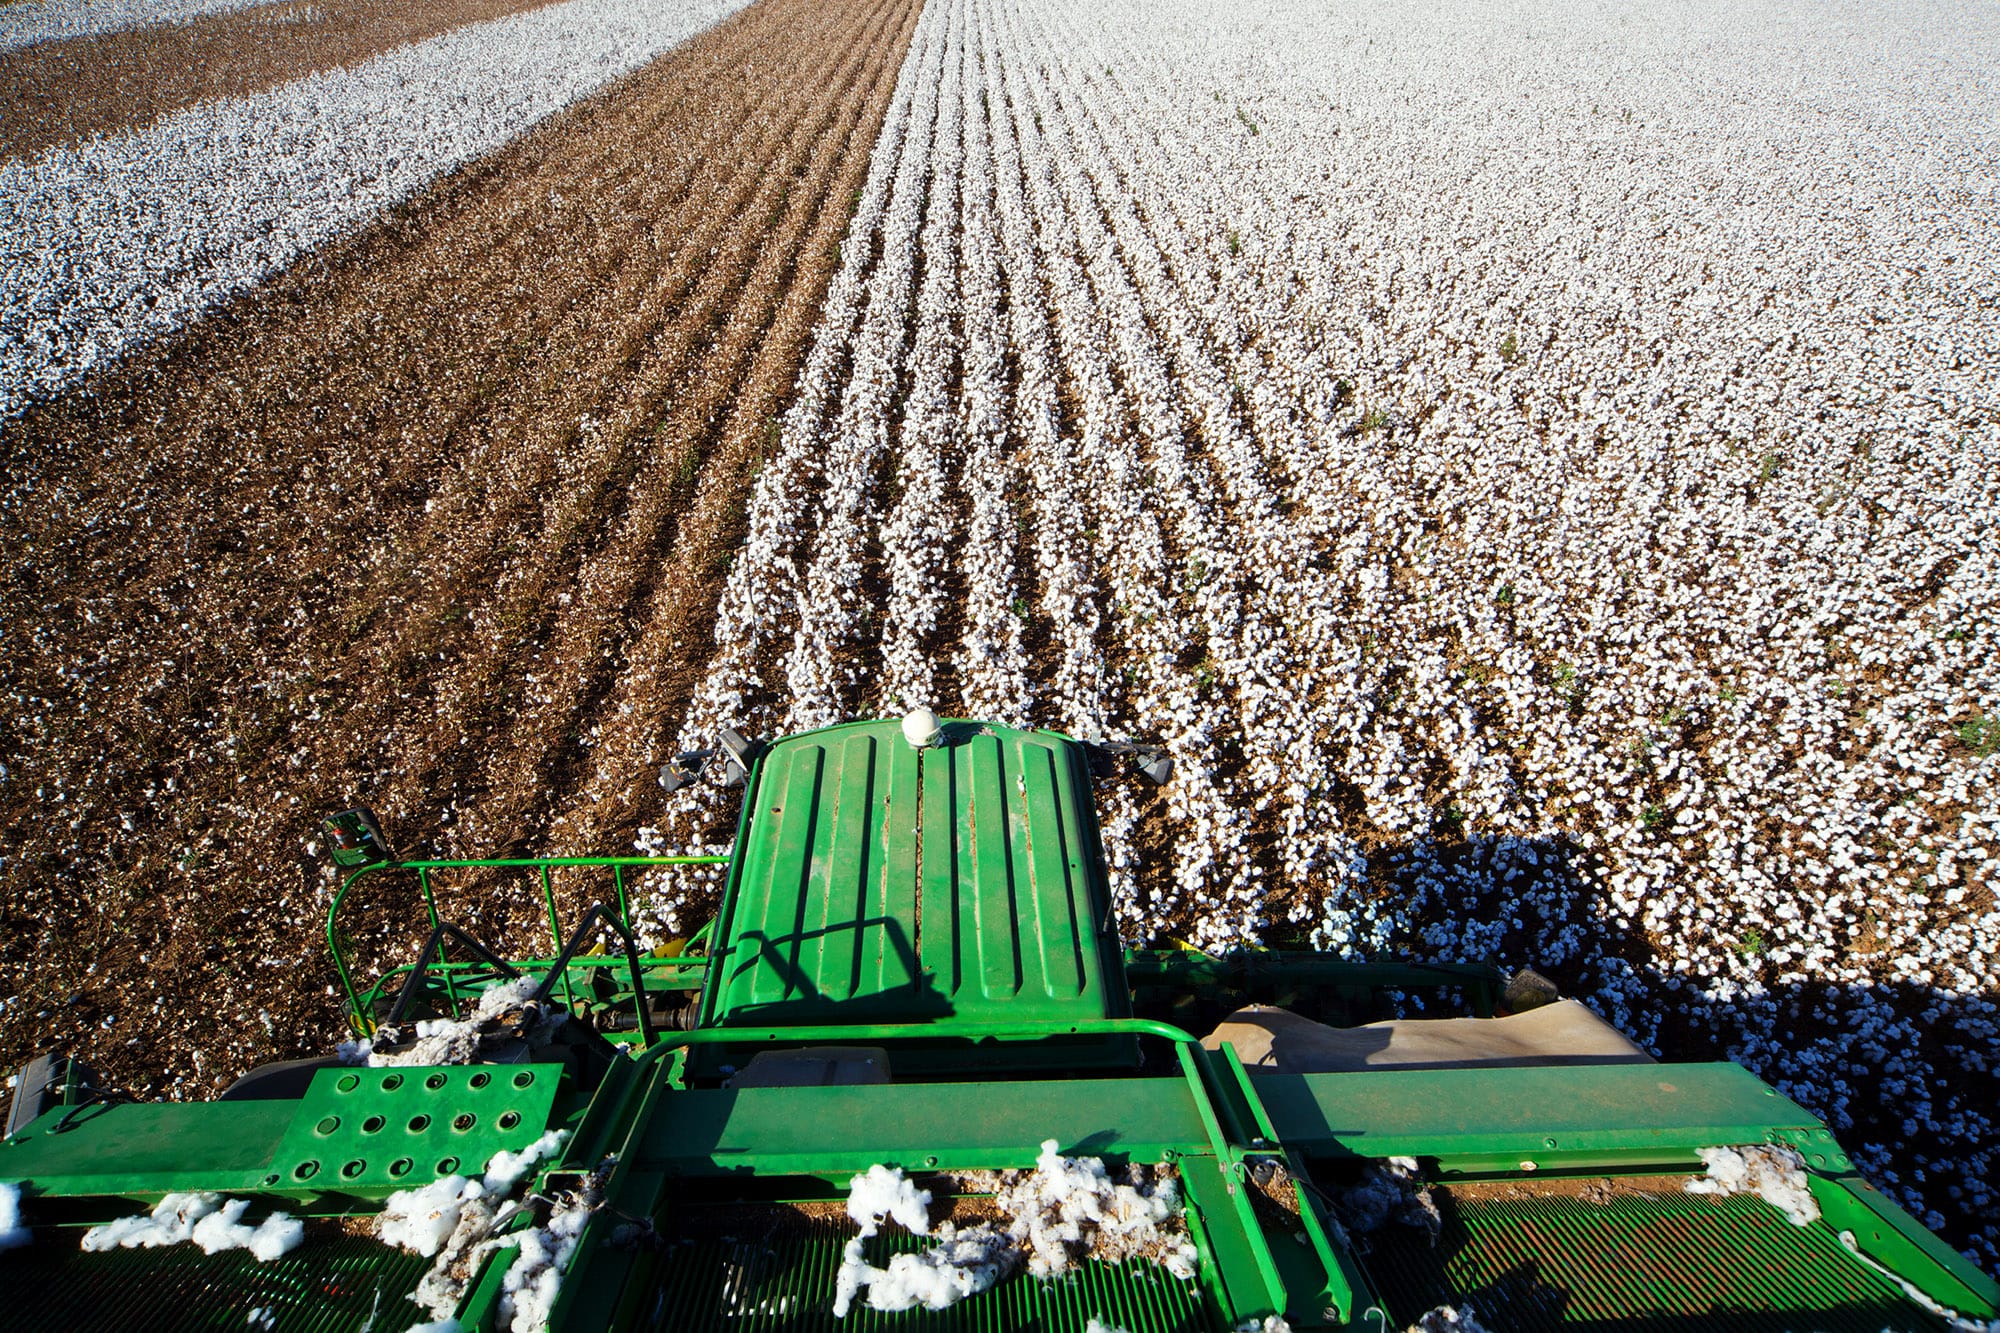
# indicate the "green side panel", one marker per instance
pixel 878 883
pixel 759 1279
pixel 949 1126
pixel 330 1284
pixel 1658 1262
pixel 1891 1237
pixel 358 1129
pixel 1480 1119
pixel 138 1149
pixel 1230 1255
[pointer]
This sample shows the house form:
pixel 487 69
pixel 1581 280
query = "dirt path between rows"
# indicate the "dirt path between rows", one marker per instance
pixel 62 92
pixel 436 521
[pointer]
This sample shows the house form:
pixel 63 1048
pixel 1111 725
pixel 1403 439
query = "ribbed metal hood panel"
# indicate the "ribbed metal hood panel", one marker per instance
pixel 878 882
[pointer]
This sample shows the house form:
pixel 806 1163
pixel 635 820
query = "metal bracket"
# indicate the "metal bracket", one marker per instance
pixel 356 839
pixel 737 754
pixel 683 769
pixel 740 753
pixel 1151 759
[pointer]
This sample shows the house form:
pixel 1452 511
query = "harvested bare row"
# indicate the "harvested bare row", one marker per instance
pixel 435 521
pixel 60 92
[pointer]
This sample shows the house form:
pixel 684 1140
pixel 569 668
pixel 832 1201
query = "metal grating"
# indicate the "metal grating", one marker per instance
pixel 331 1284
pixel 1654 1263
pixel 783 1280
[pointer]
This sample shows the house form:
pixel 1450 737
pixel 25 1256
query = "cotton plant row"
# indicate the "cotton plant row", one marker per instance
pixel 125 239
pixel 838 432
pixel 39 21
pixel 1539 501
pixel 1762 668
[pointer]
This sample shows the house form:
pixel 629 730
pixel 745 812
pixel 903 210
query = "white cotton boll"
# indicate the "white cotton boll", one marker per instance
pixel 1774 1172
pixel 446 1325
pixel 507 995
pixel 1097 1325
pixel 960 1264
pixel 421 1220
pixel 446 1041
pixel 223 1229
pixel 1064 1210
pixel 881 1193
pixel 12 1234
pixel 1389 1190
pixel 854 1274
pixel 1448 1319
pixel 506 1168
pixel 534 1279
pixel 210 1220
pixel 172 1221
pixel 1069 1208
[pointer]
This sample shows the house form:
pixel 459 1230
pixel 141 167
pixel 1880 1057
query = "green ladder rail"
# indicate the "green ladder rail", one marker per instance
pixel 541 867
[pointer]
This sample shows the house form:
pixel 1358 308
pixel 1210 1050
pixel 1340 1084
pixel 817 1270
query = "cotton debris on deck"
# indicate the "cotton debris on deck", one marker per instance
pixel 1066 1209
pixel 1774 1172
pixel 211 1221
pixel 12 1234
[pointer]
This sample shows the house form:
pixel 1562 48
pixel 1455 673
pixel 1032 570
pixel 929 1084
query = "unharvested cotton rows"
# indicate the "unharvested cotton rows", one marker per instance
pixel 993 672
pixel 54 20
pixel 127 238
pixel 821 672
pixel 1278 581
pixel 1596 754
pixel 1532 473
pixel 1174 572
pixel 917 535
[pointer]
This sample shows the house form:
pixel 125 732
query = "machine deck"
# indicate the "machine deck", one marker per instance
pixel 775 1275
pixel 914 965
pixel 1661 1261
pixel 334 1283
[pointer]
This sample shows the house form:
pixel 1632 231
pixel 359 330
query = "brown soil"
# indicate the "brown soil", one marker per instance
pixel 62 92
pixel 435 522
pixel 1590 1189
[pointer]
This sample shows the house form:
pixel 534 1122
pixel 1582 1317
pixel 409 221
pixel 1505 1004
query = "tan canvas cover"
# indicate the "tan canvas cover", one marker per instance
pixel 1270 1040
pixel 815 1067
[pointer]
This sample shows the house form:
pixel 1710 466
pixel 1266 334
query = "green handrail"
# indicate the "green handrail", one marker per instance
pixel 541 865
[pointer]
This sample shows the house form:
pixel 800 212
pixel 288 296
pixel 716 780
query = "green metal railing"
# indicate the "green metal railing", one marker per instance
pixel 1229 1140
pixel 542 868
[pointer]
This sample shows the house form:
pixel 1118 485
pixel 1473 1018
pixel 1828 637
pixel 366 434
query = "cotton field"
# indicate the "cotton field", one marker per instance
pixel 1531 473
pixel 126 239
pixel 1531 465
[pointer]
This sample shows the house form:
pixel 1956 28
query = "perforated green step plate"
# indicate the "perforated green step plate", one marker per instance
pixel 357 1128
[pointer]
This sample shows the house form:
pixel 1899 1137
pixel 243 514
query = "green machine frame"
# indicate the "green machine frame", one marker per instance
pixel 990 1062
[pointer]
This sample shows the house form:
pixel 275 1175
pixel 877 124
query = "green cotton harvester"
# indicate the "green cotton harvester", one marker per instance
pixel 907 1078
